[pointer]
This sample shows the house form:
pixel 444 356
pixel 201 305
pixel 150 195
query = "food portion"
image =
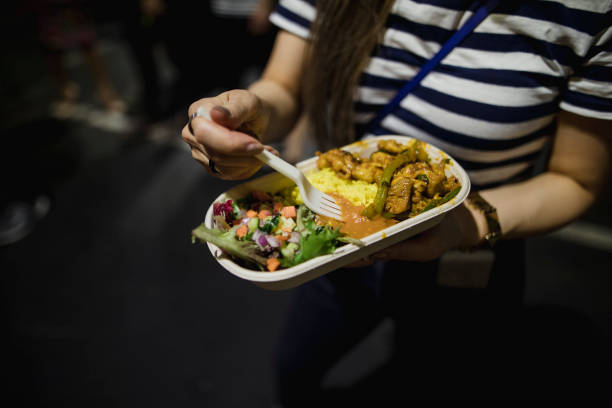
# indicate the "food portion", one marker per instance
pixel 270 231
pixel 275 230
pixel 408 182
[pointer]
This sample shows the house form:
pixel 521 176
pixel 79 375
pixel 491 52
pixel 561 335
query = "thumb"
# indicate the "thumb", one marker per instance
pixel 234 108
pixel 223 116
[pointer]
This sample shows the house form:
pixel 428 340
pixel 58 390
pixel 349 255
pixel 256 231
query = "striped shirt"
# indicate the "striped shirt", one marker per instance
pixel 491 103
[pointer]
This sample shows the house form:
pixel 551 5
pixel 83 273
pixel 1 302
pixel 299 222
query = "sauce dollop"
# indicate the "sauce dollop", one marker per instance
pixel 353 223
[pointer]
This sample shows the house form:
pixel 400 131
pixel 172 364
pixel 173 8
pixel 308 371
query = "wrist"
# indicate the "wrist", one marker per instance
pixel 486 219
pixel 472 225
pixel 279 105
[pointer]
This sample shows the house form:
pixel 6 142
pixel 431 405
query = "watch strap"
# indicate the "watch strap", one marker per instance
pixel 490 214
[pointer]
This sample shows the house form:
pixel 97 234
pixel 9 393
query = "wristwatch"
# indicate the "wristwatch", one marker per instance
pixel 490 214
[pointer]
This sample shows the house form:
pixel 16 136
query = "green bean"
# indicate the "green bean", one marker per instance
pixel 440 201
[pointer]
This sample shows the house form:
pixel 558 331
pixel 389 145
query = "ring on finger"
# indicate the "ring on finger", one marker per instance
pixel 211 165
pixel 199 112
pixel 192 117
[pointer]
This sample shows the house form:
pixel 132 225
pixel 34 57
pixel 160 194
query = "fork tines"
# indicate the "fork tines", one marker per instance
pixel 328 205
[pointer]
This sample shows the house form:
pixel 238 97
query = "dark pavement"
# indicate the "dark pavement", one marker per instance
pixel 111 305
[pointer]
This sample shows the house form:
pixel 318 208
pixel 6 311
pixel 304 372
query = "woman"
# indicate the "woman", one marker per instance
pixel 532 83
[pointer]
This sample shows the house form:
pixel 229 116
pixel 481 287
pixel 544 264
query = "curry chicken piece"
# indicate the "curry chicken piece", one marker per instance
pixel 382 157
pixel 348 165
pixel 436 181
pixel 371 170
pixel 412 187
pixel 412 169
pixel 368 171
pixel 432 175
pixel 342 162
pixel 399 196
pixel 451 183
pixel 391 146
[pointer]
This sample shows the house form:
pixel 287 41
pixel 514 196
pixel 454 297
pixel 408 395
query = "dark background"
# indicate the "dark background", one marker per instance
pixel 107 303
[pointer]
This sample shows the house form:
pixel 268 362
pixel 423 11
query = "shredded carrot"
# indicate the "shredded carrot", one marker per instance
pixel 263 214
pixel 281 237
pixel 242 231
pixel 272 264
pixel 287 229
pixel 251 213
pixel 289 212
pixel 278 207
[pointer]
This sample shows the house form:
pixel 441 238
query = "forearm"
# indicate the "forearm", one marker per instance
pixel 539 205
pixel 578 170
pixel 280 84
pixel 281 104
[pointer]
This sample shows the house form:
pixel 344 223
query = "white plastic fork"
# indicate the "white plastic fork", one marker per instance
pixel 314 199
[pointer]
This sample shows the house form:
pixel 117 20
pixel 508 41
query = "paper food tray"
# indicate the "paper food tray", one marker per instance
pixel 313 268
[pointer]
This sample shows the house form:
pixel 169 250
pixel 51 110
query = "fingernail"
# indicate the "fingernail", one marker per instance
pixel 223 110
pixel 251 147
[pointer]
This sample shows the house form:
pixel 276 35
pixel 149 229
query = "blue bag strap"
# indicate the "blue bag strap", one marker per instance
pixel 480 14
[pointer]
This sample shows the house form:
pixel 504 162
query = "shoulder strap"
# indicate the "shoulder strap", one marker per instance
pixel 480 14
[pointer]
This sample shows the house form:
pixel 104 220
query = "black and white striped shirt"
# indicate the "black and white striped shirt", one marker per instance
pixel 491 103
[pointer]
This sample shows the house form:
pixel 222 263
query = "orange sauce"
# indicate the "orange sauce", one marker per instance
pixel 353 223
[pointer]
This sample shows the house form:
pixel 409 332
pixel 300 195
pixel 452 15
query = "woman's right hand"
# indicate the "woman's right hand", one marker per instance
pixel 231 137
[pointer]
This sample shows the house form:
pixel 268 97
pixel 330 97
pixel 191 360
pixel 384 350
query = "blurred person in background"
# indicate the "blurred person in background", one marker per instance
pixel 235 31
pixel 144 29
pixel 531 76
pixel 155 27
pixel 63 26
pixel 245 39
pixel 34 159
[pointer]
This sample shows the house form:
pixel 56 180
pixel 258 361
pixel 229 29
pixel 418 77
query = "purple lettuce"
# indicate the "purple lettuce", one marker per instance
pixel 225 210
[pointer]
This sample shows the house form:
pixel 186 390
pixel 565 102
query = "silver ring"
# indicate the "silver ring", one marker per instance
pixel 201 111
pixel 211 165
pixel 193 115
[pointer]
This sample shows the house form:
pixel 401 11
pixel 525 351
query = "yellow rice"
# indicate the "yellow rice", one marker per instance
pixel 357 191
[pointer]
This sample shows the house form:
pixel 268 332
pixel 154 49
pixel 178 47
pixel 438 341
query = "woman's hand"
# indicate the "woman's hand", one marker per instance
pixel 231 137
pixel 239 119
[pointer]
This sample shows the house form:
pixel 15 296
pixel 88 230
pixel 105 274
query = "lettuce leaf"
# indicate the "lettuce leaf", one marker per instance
pixel 320 241
pixel 226 240
pixel 315 240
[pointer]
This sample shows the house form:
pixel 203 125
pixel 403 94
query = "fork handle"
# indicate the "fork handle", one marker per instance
pixel 280 165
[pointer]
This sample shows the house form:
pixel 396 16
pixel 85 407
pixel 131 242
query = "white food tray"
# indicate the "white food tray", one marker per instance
pixel 313 268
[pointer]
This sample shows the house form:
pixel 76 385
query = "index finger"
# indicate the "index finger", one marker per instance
pixel 223 140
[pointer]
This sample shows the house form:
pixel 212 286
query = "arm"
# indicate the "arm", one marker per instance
pixel 578 170
pixel 280 84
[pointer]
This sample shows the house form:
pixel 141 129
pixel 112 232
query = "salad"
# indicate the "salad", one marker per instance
pixel 269 232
